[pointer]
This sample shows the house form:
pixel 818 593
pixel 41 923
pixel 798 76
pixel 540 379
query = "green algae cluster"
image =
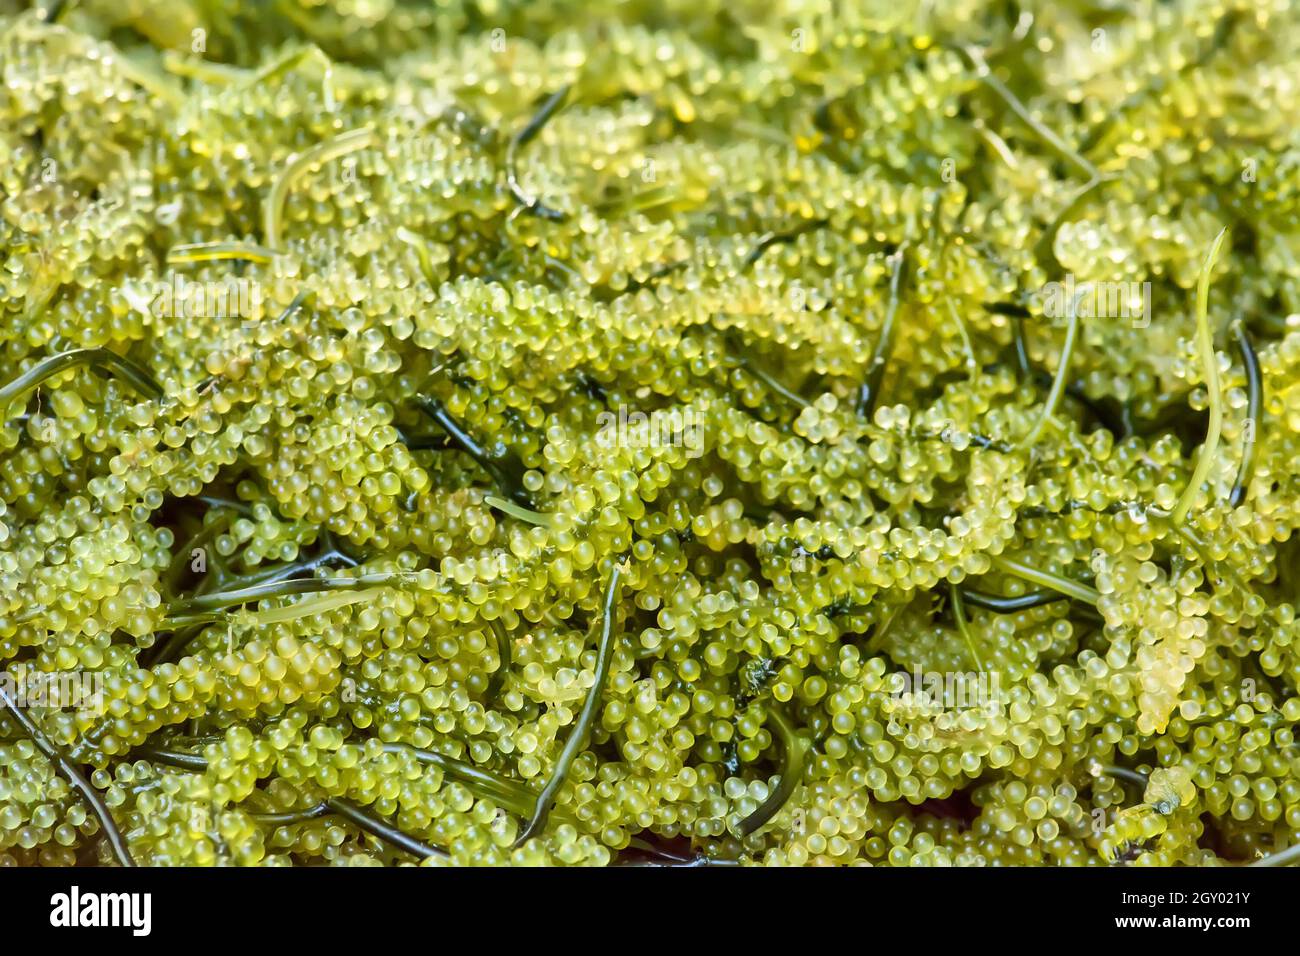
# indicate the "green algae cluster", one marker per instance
pixel 609 433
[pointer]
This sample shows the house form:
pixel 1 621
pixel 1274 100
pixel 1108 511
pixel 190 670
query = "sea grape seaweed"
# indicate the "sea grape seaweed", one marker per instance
pixel 604 432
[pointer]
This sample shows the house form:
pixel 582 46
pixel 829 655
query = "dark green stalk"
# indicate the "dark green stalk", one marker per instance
pixel 1079 504
pixel 1124 773
pixel 73 775
pixel 185 624
pixel 166 651
pixel 511 795
pixel 869 393
pixel 1006 605
pixel 976 439
pixel 1045 133
pixel 1026 572
pixel 503 653
pixel 591 388
pixel 176 571
pixel 1011 310
pixel 1255 398
pixel 606 294
pixel 174 758
pixel 1074 391
pixel 753 369
pixel 643 846
pixel 586 717
pixel 1058 381
pixel 843 606
pixel 282 571
pixel 1022 350
pixel 101 359
pixel 207 608
pixel 381 829
pixel 795 748
pixel 186 631
pixel 338 805
pixel 294 305
pixel 686 864
pixel 521 139
pixel 427 442
pixel 990 444
pixel 219 600
pixel 963 625
pixel 291 816
pixel 466 123
pixel 659 857
pixel 770 239
pixel 500 462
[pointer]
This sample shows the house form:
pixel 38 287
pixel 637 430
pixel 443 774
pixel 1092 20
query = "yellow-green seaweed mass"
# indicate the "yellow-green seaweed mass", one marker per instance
pixel 691 432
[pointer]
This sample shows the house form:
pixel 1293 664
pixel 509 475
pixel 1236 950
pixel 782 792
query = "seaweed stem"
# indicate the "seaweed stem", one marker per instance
pixel 586 717
pixel 334 148
pixel 963 625
pixel 1210 369
pixel 521 139
pixel 73 775
pixel 1080 592
pixel 869 392
pixel 1058 381
pixel 99 358
pixel 1254 401
pixel 795 749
